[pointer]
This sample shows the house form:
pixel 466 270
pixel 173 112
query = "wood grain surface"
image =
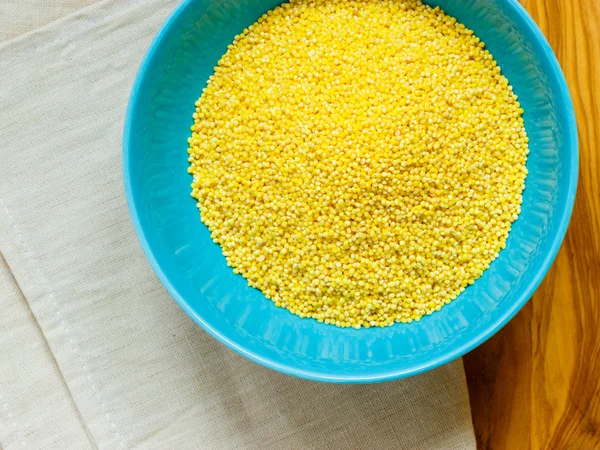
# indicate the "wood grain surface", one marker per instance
pixel 536 384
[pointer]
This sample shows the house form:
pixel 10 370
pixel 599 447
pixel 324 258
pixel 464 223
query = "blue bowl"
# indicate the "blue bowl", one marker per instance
pixel 193 270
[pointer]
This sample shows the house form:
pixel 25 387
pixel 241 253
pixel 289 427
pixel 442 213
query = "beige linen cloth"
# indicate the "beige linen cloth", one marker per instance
pixel 93 351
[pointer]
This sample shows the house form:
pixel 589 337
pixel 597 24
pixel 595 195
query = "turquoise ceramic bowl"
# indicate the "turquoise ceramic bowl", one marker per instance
pixel 193 269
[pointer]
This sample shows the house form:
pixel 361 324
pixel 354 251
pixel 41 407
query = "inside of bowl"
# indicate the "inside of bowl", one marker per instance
pixel 194 270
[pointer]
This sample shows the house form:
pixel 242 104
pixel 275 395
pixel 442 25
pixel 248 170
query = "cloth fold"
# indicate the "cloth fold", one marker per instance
pixel 95 354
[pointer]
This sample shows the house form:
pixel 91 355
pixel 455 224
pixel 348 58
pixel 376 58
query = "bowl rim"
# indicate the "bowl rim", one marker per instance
pixel 571 140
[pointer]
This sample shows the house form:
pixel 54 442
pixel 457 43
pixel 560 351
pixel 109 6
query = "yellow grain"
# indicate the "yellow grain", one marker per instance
pixel 359 161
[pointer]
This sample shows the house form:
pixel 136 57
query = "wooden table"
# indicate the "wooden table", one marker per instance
pixel 536 384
